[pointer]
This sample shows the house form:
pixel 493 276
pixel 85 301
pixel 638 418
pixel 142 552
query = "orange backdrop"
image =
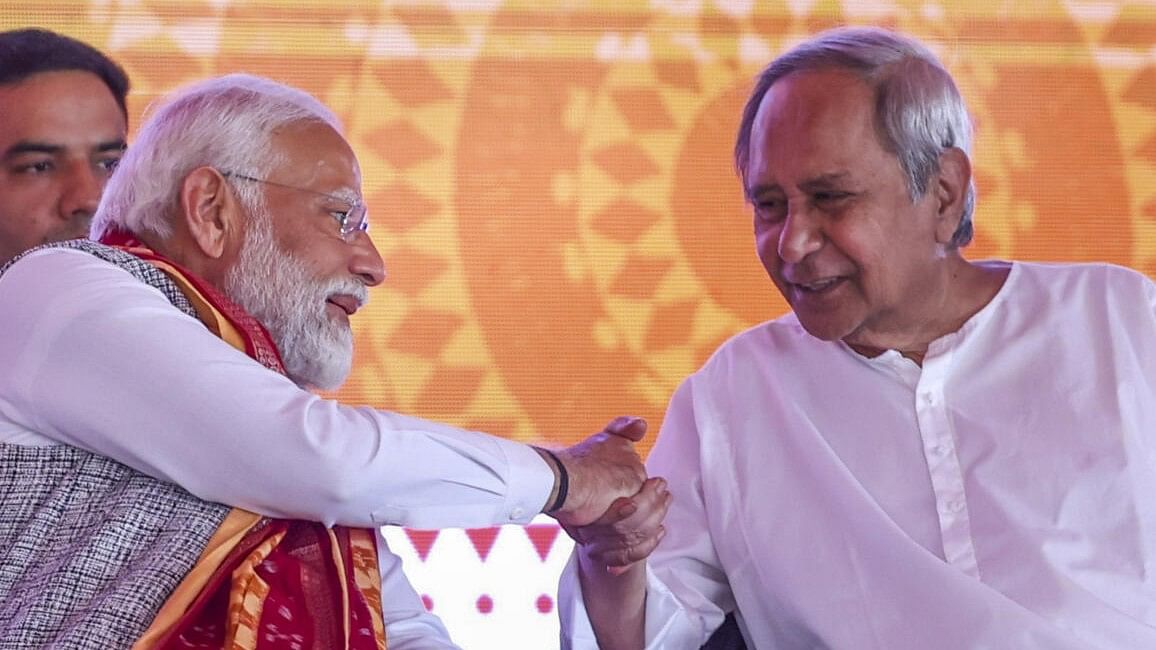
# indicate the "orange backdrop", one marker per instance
pixel 551 186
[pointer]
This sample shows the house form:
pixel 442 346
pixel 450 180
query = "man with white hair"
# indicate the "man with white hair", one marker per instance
pixel 154 376
pixel 928 452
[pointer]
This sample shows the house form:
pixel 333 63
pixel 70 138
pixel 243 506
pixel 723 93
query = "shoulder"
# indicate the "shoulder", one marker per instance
pixel 762 358
pixel 55 285
pixel 57 267
pixel 1076 270
pixel 783 337
pixel 1069 281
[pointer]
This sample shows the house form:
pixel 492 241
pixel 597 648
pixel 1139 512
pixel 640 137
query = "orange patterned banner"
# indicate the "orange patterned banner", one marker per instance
pixel 551 184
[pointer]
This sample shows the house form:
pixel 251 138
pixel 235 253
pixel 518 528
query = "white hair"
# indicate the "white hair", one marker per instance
pixel 919 112
pixel 226 123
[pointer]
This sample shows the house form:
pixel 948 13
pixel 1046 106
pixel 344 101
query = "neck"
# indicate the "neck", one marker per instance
pixel 963 290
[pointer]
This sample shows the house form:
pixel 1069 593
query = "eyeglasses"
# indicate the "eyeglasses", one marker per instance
pixel 352 220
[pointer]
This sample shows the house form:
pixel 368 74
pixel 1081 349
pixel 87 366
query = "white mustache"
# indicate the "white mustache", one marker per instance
pixel 346 287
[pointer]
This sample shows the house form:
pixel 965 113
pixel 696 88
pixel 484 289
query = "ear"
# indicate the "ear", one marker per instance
pixel 210 211
pixel 950 187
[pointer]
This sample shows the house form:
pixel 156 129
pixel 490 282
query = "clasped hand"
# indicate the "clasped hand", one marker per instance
pixel 614 512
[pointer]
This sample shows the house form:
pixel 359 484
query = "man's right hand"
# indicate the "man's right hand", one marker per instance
pixel 602 468
pixel 628 532
pixel 612 555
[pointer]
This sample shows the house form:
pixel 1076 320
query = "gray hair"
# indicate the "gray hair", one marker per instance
pixel 227 123
pixel 919 112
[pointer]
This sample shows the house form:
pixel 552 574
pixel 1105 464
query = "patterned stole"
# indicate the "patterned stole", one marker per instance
pixel 261 583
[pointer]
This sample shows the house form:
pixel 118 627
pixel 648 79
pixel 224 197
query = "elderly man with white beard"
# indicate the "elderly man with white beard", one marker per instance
pixel 165 478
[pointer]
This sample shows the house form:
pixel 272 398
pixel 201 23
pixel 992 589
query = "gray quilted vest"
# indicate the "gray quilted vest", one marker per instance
pixel 89 548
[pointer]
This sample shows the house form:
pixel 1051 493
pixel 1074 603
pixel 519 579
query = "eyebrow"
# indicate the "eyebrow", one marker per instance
pixel 30 146
pixel 345 194
pixel 821 181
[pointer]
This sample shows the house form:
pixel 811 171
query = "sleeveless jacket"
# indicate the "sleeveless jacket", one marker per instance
pixel 89 548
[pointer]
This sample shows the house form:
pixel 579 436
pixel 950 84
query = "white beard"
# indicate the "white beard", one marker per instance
pixel 277 290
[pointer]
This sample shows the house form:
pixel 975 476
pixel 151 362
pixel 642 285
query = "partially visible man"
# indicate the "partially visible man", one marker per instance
pixel 928 452
pixel 152 377
pixel 62 133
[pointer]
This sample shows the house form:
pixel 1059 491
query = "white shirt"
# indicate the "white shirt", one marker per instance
pixel 1001 496
pixel 92 357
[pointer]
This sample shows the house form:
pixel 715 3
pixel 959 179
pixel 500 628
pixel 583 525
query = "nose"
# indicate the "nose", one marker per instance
pixel 801 235
pixel 366 262
pixel 80 194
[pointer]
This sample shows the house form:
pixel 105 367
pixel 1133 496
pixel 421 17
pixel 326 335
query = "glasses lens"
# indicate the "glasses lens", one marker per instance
pixel 356 220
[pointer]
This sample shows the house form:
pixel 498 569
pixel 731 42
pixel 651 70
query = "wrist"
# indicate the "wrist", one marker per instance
pixel 561 490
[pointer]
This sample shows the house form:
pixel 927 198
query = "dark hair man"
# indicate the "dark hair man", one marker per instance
pixel 62 133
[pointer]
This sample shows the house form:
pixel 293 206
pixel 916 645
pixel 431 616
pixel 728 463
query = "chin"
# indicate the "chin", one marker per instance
pixel 825 328
pixel 322 374
pixel 321 361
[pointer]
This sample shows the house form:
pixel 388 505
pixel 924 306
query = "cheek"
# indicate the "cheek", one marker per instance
pixel 300 241
pixel 26 208
pixel 858 240
pixel 767 246
pixel 17 194
pixel 324 259
pixel 875 266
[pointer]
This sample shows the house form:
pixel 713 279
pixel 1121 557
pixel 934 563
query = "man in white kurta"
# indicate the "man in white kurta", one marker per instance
pixel 1001 496
pixel 69 380
pixel 108 367
pixel 928 452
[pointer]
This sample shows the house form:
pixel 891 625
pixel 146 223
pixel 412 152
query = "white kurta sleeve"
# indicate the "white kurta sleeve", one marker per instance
pixel 94 358
pixel 686 587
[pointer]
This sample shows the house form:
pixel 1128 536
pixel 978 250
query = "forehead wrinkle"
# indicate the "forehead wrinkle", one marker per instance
pixel 323 170
pixel 825 179
pixel 314 180
pixel 793 130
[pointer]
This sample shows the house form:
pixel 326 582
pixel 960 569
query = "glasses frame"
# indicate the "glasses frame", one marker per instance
pixel 351 221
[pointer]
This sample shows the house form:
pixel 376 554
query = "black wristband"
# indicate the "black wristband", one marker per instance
pixel 563 482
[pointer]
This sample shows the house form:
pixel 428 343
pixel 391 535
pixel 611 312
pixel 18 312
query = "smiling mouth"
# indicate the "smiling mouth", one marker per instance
pixel 819 286
pixel 348 304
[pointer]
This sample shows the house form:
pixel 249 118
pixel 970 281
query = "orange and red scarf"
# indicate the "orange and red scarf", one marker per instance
pixel 265 584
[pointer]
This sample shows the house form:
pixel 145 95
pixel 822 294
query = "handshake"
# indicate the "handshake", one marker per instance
pixel 603 498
